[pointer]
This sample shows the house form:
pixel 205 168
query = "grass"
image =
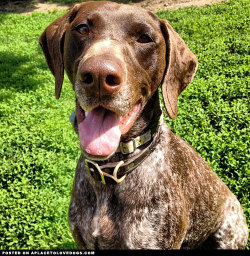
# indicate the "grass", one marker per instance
pixel 39 149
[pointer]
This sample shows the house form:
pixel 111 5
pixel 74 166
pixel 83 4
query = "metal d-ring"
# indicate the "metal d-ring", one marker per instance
pixel 116 170
pixel 97 167
pixel 114 175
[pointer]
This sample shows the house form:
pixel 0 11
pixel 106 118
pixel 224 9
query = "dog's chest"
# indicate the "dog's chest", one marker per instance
pixel 130 215
pixel 110 224
pixel 103 226
pixel 126 216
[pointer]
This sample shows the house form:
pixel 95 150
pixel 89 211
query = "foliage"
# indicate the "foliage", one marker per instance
pixel 39 149
pixel 213 112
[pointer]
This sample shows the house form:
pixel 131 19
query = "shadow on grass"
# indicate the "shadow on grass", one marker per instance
pixel 77 1
pixel 20 73
pixel 28 6
pixel 13 6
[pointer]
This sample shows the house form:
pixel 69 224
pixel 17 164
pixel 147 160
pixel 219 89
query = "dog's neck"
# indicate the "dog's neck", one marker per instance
pixel 149 115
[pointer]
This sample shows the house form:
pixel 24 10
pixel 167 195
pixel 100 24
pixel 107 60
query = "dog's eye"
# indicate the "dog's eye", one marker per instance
pixel 144 39
pixel 82 29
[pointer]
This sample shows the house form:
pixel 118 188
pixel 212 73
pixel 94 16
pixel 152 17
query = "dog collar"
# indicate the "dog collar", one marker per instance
pixel 116 172
pixel 130 146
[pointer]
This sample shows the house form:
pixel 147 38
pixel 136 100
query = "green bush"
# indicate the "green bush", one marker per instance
pixel 214 109
pixel 39 149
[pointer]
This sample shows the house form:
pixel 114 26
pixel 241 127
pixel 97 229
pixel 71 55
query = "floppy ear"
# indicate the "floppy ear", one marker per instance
pixel 52 44
pixel 181 65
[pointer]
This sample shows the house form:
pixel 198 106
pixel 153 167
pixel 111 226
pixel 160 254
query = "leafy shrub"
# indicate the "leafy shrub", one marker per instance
pixel 213 111
pixel 39 149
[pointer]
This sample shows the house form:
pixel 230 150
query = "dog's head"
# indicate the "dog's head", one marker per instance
pixel 115 56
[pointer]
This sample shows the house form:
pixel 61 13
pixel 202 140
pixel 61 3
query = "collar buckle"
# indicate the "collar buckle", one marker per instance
pixel 132 145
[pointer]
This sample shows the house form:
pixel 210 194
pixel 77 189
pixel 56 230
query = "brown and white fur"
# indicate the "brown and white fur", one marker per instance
pixel 173 200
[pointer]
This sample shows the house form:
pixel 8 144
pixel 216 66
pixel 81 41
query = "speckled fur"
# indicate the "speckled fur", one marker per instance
pixel 172 201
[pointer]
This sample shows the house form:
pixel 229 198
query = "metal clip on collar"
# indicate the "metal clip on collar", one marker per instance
pixel 95 168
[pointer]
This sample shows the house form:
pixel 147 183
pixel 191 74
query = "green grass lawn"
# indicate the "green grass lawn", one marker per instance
pixel 39 150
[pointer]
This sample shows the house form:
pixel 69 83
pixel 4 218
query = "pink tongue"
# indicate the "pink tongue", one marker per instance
pixel 99 132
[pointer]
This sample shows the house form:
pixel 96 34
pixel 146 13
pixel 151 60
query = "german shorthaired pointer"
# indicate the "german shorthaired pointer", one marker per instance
pixel 137 185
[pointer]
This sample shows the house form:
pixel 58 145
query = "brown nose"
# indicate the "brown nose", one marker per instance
pixel 101 74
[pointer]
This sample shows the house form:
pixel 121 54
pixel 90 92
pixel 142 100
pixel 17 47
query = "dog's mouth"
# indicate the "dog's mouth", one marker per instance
pixel 100 129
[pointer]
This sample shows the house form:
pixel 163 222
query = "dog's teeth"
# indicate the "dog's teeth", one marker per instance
pixel 87 150
pixel 99 152
pixel 86 113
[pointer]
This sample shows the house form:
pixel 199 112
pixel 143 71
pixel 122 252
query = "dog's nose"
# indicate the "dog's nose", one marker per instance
pixel 101 74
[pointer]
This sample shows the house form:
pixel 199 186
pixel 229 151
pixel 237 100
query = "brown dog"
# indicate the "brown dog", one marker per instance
pixel 137 185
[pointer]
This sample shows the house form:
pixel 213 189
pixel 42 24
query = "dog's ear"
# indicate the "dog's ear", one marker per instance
pixel 52 44
pixel 181 65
